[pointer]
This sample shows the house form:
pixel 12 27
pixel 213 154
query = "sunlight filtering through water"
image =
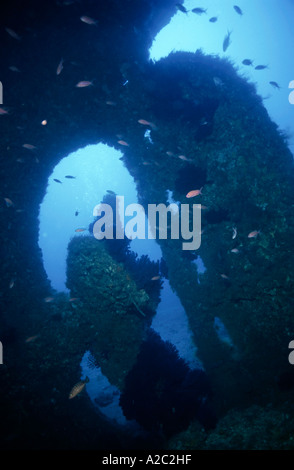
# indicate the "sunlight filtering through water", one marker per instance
pixel 189 32
pixel 69 204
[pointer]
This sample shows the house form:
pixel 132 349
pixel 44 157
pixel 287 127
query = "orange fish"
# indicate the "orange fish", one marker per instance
pixel 83 84
pixel 48 299
pixel 59 68
pixel 8 201
pixel 194 192
pixel 253 234
pixel 123 142
pixel 147 123
pixel 80 229
pixel 88 20
pixel 12 33
pixel 78 388
pixel 29 146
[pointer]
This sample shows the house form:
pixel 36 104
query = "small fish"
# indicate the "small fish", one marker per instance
pixel 218 82
pixel 181 8
pixel 224 276
pixel 73 299
pixel 193 193
pixel 3 111
pixel 11 284
pixel 238 10
pixel 261 67
pixel 235 250
pixel 123 142
pixel 76 213
pixel 14 69
pixel 30 339
pixel 147 123
pixel 88 20
pixel 80 229
pixel 44 122
pixel 170 154
pixel 59 68
pixel 29 146
pixel 213 19
pixel 234 233
pixel 184 158
pixel 227 41
pixel 111 103
pixel 247 62
pixel 275 85
pixel 203 122
pixel 155 278
pixel 57 181
pixel 83 84
pixel 8 202
pixel 199 11
pixel 253 234
pixel 13 34
pixel 70 177
pixel 78 388
pixel 48 299
pixel 110 192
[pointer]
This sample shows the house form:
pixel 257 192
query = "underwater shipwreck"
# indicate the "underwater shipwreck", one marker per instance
pixel 210 128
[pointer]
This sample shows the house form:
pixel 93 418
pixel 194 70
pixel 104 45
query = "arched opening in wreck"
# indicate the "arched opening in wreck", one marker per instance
pixel 76 185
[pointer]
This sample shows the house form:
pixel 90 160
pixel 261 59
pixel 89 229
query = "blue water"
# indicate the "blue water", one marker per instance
pixel 264 34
